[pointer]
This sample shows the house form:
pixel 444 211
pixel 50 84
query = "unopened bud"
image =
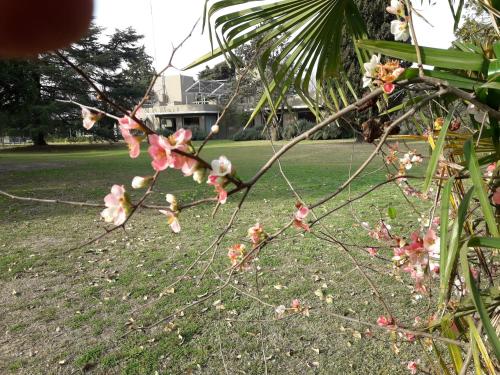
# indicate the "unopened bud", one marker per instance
pixel 199 175
pixel 214 129
pixel 141 182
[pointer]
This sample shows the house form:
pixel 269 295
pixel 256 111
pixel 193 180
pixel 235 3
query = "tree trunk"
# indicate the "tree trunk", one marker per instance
pixel 39 139
pixel 274 133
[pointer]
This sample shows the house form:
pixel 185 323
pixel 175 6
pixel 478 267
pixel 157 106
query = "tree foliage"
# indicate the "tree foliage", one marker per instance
pixel 118 64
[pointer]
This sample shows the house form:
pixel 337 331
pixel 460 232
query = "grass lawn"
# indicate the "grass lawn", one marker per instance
pixel 66 312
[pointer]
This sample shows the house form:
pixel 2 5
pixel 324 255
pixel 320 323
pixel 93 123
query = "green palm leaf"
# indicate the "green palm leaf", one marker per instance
pixel 306 33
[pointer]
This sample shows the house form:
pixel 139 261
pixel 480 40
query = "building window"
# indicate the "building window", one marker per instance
pixel 191 122
pixel 306 115
pixel 168 123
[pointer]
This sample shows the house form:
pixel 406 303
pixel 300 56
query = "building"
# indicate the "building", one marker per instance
pixel 181 102
pixel 178 101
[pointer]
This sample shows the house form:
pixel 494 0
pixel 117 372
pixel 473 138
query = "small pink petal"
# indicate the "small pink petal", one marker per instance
pixel 389 88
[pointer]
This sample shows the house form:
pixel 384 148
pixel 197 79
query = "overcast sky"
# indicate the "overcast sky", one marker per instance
pixel 164 22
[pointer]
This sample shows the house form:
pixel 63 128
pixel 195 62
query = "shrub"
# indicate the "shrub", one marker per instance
pixel 250 134
pixel 198 134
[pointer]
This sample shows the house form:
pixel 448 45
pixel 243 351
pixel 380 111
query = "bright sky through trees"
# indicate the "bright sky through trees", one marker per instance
pixel 166 22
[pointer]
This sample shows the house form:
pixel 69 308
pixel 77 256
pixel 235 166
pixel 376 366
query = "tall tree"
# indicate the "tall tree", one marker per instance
pixel 119 65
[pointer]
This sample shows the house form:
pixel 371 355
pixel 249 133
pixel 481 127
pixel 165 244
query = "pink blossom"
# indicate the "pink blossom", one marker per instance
pixel 410 337
pixel 236 255
pixel 256 233
pixel 117 206
pixel 189 167
pixel 389 87
pixel 134 143
pixel 89 118
pixel 128 123
pixel 381 232
pixel 431 242
pixel 296 305
pixel 218 182
pixel 300 216
pixel 172 220
pixel 412 366
pixel 372 251
pixel 161 150
pixel 491 168
pixel 496 196
pixel 474 272
pixel 383 321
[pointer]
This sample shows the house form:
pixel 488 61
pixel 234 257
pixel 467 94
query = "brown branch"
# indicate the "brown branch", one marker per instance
pixel 91 108
pixel 414 38
pixel 158 75
pixel 402 118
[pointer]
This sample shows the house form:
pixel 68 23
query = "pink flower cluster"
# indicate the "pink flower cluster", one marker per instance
pixel 162 151
pixel 300 216
pixel 118 206
pixel 420 254
pixel 237 255
pixel 176 152
pixel 128 127
pixel 257 234
pixel 221 168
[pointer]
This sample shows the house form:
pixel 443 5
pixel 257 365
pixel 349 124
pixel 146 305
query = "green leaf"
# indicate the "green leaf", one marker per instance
pixel 443 241
pixel 442 58
pixel 479 344
pixel 391 211
pixel 455 352
pixel 451 77
pixel 302 36
pixel 493 68
pixel 478 303
pixel 496 49
pixel 492 242
pixel 480 187
pixel 434 161
pixel 453 248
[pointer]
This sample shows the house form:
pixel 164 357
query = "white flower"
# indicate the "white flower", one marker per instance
pixel 397 8
pixel 370 70
pixel 221 166
pixel 406 161
pixel 214 129
pixel 416 159
pixel 139 182
pixel 400 30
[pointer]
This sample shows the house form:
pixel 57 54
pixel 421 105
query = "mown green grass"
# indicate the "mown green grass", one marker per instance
pixel 76 306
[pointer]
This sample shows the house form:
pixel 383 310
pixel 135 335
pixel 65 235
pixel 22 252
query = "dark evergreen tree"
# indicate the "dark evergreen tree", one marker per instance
pixel 119 66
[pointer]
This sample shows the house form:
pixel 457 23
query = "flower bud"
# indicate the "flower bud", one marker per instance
pixel 141 182
pixel 199 175
pixel 214 129
pixel 170 198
